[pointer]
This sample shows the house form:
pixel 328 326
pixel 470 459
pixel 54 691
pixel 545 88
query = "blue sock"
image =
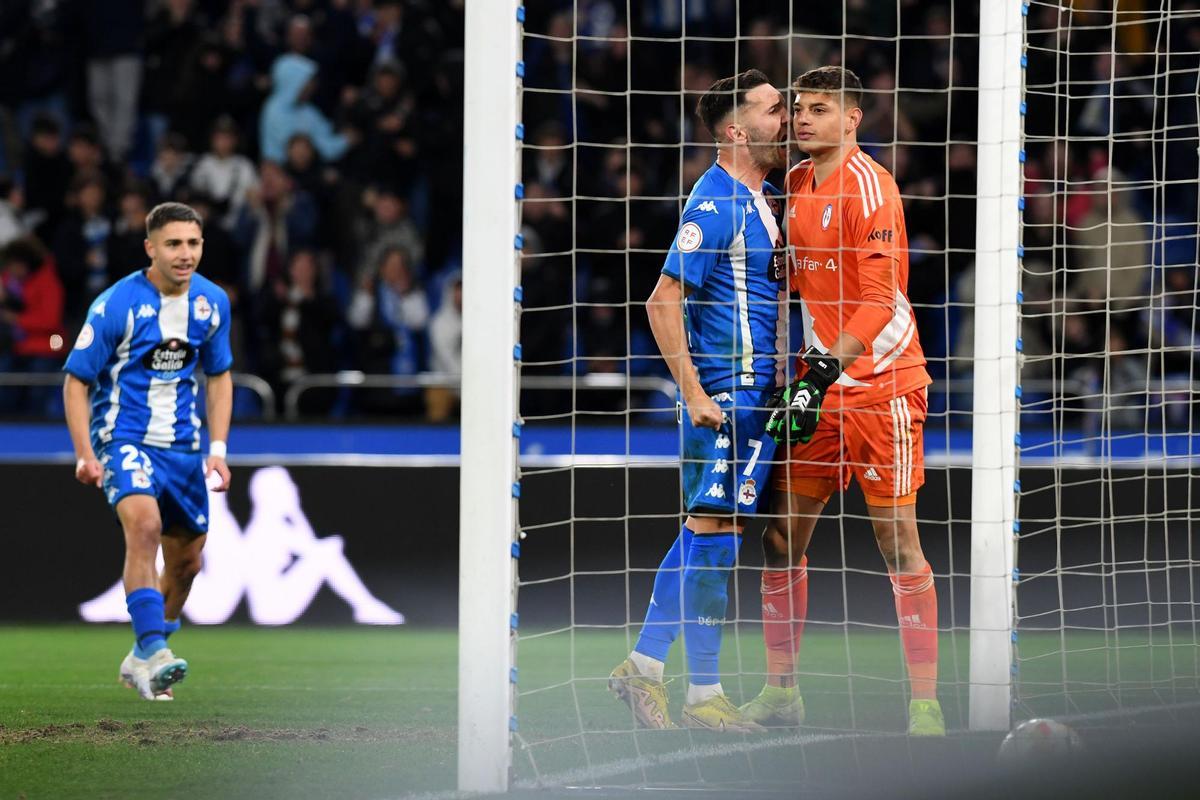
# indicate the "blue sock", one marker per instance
pixel 705 599
pixel 169 627
pixel 146 613
pixel 661 627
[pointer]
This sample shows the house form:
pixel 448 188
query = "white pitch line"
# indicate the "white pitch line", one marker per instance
pixel 627 765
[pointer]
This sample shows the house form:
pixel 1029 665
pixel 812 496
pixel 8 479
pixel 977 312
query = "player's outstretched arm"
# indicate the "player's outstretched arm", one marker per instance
pixel 79 415
pixel 665 310
pixel 219 402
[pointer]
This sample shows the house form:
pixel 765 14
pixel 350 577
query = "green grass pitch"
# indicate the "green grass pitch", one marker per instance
pixel 371 713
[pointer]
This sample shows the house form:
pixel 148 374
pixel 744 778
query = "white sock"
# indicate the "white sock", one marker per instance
pixel 649 667
pixel 698 694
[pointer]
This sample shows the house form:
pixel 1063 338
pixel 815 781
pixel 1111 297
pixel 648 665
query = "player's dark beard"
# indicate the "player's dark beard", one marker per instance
pixel 768 153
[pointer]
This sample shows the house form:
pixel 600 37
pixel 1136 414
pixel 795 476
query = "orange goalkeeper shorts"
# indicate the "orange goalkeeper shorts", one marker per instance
pixel 881 445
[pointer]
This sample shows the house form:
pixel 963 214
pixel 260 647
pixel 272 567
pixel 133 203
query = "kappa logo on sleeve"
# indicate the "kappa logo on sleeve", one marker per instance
pixel 708 205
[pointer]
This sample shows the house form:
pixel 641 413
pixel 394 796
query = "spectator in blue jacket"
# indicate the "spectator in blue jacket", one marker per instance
pixel 288 111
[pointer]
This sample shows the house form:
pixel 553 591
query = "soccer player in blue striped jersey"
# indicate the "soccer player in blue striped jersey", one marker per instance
pixel 715 314
pixel 130 394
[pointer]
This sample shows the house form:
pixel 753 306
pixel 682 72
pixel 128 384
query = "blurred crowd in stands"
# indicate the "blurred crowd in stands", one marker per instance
pixel 322 139
pixel 1109 228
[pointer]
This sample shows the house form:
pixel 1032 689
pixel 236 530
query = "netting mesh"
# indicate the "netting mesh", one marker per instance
pixel 1108 496
pixel 1106 598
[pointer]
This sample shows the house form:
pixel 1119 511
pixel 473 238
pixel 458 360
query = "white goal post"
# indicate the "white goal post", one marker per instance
pixel 488 484
pixel 994 411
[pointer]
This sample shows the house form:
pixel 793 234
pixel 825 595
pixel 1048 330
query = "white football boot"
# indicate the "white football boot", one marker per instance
pixel 163 669
pixel 128 676
pixel 136 674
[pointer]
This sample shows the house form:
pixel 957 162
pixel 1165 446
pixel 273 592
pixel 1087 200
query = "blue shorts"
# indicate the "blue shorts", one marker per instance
pixel 175 478
pixel 726 472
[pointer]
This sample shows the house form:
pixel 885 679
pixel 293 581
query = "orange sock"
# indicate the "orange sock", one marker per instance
pixel 916 609
pixel 784 607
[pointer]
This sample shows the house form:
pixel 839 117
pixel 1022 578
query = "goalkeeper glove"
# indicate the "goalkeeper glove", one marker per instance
pixel 796 408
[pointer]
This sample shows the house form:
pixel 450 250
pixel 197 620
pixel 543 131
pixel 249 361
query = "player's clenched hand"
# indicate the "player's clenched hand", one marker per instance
pixel 705 412
pixel 216 474
pixel 796 408
pixel 89 471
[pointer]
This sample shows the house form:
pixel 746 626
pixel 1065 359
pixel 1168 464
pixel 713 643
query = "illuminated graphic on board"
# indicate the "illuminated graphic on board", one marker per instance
pixel 278 563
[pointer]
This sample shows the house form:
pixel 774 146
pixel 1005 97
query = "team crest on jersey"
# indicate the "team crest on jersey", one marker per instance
pixel 826 216
pixel 748 492
pixel 689 238
pixel 169 356
pixel 139 479
pixel 201 309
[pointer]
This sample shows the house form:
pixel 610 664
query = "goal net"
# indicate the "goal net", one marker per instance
pixel 1104 606
pixel 1106 598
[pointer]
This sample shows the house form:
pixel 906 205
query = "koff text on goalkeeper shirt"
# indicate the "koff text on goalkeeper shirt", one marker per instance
pixel 726 254
pixel 848 253
pixel 139 349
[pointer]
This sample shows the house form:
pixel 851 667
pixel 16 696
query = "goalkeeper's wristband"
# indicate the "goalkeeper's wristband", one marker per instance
pixel 823 369
pixel 217 449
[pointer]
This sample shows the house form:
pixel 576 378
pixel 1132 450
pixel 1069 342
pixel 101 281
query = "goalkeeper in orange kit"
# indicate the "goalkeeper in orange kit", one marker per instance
pixel 863 378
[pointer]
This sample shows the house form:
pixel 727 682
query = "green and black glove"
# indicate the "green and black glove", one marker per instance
pixel 796 408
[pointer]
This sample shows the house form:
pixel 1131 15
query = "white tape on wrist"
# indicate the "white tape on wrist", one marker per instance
pixel 79 462
pixel 217 448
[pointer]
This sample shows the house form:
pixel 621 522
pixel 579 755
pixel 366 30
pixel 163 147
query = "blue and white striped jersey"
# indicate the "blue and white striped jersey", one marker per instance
pixel 727 253
pixel 138 350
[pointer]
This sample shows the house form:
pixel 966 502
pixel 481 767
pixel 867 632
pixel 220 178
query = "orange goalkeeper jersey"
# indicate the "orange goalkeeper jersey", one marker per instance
pixel 849 266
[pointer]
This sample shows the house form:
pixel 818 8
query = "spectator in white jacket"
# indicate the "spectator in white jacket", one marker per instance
pixel 225 175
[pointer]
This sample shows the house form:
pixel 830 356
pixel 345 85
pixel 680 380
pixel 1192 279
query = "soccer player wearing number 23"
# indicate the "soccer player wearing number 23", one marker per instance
pixel 859 403
pixel 715 317
pixel 130 395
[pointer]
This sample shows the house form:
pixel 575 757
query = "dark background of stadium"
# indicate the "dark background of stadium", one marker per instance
pixel 406 550
pixel 611 146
